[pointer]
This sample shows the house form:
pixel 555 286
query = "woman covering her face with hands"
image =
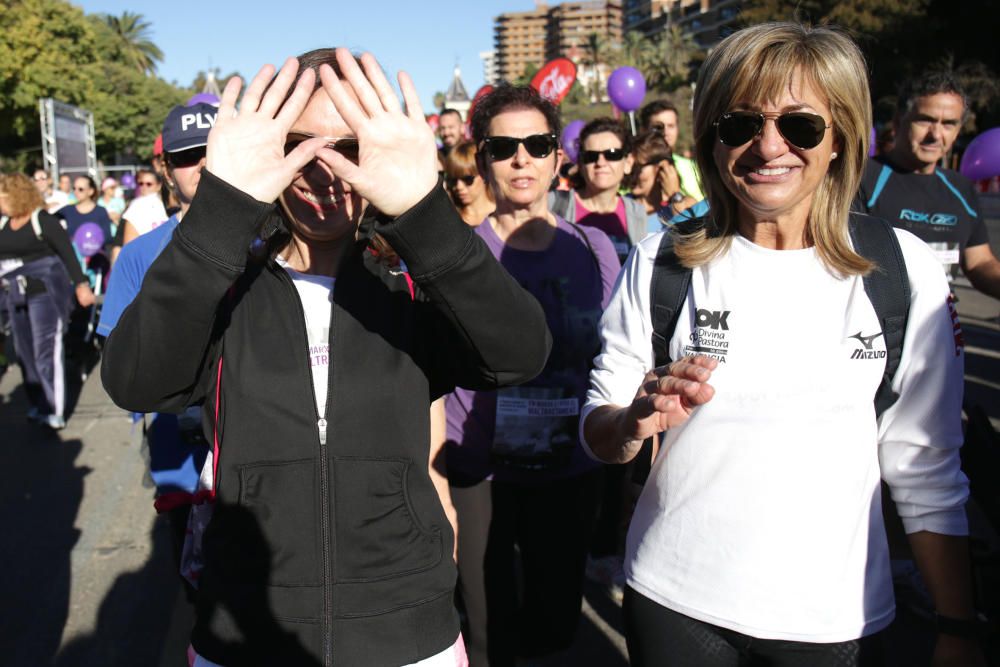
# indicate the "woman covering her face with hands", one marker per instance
pixel 758 536
pixel 317 366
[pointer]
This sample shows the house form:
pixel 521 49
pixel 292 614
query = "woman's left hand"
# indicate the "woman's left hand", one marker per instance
pixel 85 296
pixel 397 163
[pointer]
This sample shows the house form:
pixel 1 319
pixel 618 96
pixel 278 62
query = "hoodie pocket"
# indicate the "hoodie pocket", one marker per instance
pixel 378 533
pixel 283 500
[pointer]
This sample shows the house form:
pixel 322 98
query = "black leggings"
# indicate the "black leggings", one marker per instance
pixel 659 637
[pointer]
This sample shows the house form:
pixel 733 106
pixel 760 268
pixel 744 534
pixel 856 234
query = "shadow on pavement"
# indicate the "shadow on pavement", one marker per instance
pixel 133 621
pixel 40 492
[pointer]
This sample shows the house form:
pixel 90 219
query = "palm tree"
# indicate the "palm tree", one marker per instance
pixel 597 48
pixel 132 31
pixel 669 63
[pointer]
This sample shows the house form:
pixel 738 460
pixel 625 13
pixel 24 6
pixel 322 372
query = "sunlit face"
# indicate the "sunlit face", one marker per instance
pixel 465 190
pixel 603 175
pixel 926 133
pixel 320 206
pixel 450 129
pixel 81 188
pixel 65 183
pixel 666 123
pixel 768 175
pixel 42 181
pixel 521 180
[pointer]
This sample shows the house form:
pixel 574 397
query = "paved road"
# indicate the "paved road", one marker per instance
pixel 86 576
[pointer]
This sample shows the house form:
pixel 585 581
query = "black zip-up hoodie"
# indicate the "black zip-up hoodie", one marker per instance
pixel 328 545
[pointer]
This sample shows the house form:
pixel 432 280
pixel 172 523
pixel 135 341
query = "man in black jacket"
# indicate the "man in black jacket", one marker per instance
pixel 328 544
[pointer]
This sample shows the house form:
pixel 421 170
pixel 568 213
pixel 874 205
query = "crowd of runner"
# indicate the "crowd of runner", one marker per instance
pixel 401 399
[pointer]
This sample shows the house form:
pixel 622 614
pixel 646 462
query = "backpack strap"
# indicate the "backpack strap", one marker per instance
pixel 888 289
pixel 561 203
pixel 668 289
pixel 35 224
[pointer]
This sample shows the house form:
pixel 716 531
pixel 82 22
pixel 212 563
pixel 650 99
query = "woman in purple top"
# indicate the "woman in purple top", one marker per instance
pixel 518 475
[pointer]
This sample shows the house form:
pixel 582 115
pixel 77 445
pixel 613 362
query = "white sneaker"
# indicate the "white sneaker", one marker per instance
pixel 54 422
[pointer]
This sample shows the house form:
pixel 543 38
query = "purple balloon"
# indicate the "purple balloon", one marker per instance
pixel 88 239
pixel 203 98
pixel 128 181
pixel 626 88
pixel 981 159
pixel 570 139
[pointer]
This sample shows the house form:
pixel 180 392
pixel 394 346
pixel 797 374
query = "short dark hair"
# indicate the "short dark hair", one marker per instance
pixel 312 60
pixel 610 125
pixel 445 112
pixel 931 83
pixel 506 97
pixel 653 108
pixel 90 182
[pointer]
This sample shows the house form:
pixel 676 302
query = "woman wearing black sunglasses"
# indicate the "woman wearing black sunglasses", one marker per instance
pixel 603 160
pixel 466 187
pixel 520 482
pixel 758 537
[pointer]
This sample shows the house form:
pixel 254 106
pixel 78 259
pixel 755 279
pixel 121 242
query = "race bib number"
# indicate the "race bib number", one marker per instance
pixel 535 427
pixel 946 253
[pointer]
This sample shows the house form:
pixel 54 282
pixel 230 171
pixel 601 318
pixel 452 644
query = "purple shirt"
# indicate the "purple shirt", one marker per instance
pixel 572 281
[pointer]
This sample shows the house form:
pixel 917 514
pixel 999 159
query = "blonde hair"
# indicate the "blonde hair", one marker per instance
pixel 755 65
pixel 22 195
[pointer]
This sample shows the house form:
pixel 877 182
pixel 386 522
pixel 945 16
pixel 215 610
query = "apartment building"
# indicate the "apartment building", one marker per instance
pixel 537 36
pixel 708 21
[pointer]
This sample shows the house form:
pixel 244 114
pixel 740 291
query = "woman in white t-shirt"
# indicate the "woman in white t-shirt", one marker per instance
pixel 759 534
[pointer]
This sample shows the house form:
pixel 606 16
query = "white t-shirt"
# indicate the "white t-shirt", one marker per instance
pixel 762 513
pixel 146 213
pixel 316 294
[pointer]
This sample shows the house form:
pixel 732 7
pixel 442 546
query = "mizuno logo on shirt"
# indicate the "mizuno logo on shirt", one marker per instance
pixel 938 219
pixel 866 340
pixel 867 352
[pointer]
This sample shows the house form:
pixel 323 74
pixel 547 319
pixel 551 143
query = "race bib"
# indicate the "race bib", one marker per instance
pixel 535 427
pixel 946 253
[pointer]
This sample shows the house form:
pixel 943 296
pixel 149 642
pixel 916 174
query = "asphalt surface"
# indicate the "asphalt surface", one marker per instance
pixel 86 571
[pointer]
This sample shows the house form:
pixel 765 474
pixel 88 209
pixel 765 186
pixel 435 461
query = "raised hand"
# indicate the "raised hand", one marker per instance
pixel 670 181
pixel 668 395
pixel 247 148
pixel 397 160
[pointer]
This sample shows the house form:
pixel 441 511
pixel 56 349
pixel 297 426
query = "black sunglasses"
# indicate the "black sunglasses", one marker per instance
pixel 610 154
pixel 802 130
pixel 452 181
pixel 504 148
pixel 187 158
pixel 346 146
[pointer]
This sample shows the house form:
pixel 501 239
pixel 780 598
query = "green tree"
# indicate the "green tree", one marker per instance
pixel 527 74
pixel 673 60
pixel 439 100
pixel 904 38
pixel 50 48
pixel 132 33
pixel 597 49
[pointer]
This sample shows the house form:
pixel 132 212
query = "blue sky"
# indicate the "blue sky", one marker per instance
pixel 425 38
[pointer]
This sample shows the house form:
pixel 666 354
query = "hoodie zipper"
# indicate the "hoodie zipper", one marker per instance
pixel 324 472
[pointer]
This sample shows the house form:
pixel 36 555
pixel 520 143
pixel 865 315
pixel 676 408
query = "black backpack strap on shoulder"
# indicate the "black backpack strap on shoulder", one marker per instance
pixel 668 290
pixel 888 289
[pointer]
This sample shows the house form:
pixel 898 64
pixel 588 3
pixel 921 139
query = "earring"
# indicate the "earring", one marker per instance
pixel 833 155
